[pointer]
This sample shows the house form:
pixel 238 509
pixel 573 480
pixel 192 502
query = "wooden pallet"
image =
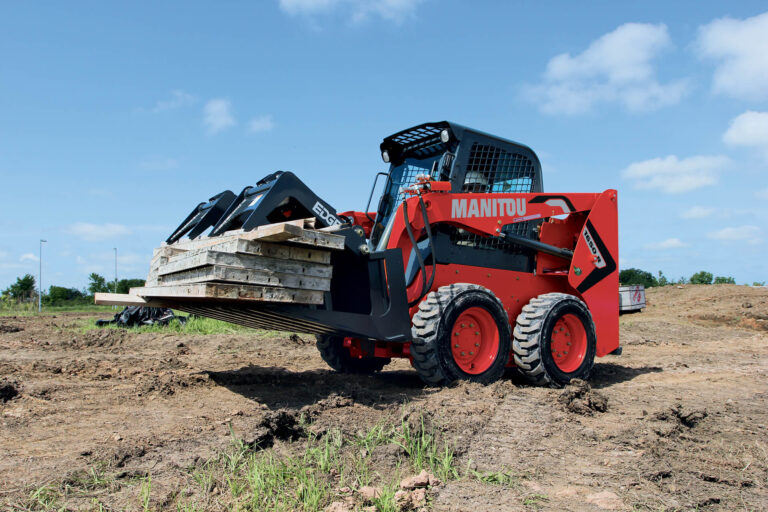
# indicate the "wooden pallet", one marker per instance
pixel 289 262
pixel 226 291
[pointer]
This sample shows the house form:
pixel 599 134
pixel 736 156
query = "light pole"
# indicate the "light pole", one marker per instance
pixel 40 278
pixel 115 248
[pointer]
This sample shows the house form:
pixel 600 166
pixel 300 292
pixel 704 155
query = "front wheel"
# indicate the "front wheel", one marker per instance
pixel 554 340
pixel 460 332
pixel 333 352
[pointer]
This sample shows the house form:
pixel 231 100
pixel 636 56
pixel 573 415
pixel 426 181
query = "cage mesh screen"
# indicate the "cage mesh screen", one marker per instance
pixel 491 169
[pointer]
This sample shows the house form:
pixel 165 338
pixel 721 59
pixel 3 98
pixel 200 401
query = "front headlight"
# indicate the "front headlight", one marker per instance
pixel 385 156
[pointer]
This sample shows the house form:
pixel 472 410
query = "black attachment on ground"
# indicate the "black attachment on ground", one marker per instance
pixel 135 316
pixel 203 216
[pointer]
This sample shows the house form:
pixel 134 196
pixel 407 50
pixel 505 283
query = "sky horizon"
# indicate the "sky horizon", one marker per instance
pixel 117 119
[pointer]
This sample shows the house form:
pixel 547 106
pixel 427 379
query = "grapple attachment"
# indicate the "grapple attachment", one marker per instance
pixel 203 216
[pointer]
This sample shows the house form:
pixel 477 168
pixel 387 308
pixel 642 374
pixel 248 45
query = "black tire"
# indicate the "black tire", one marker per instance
pixel 532 345
pixel 432 337
pixel 333 352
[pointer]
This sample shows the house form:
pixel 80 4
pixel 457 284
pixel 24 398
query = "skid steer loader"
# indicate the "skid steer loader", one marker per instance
pixel 466 267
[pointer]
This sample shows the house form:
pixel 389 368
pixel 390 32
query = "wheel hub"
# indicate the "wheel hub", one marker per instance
pixel 568 343
pixel 474 340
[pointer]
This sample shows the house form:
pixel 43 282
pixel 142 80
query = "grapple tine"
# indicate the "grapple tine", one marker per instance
pixel 203 216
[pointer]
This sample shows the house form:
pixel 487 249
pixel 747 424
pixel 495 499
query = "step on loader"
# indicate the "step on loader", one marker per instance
pixel 466 267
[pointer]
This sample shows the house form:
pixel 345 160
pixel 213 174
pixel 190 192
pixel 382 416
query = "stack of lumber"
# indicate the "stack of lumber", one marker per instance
pixel 289 262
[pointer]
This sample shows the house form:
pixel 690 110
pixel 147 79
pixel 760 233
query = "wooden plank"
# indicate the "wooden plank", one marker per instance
pixel 247 276
pixel 203 257
pixel 281 251
pixel 291 230
pixel 274 232
pixel 124 299
pixel 221 291
pixel 320 239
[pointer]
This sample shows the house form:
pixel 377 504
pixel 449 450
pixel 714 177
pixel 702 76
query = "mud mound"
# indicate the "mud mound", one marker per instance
pixel 9 389
pixel 282 424
pixel 578 397
pixel 104 338
pixel 5 328
pixel 754 321
pixel 169 383
pixel 686 416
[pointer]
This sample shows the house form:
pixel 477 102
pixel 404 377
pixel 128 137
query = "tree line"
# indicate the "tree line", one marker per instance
pixel 25 290
pixel 631 276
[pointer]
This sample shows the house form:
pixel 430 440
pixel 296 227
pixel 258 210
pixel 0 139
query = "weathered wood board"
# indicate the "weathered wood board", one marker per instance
pixel 204 257
pixel 282 251
pixel 291 231
pixel 124 299
pixel 247 276
pixel 212 291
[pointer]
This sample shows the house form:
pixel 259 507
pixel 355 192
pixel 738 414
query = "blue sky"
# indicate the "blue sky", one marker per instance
pixel 117 118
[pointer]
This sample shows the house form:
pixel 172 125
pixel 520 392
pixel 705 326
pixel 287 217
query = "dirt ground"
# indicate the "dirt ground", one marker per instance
pixel 678 422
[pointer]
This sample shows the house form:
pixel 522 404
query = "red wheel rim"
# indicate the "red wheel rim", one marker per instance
pixel 568 343
pixel 474 340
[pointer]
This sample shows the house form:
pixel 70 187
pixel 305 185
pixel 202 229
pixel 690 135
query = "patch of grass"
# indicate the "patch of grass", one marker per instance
pixel 45 498
pixel 535 500
pixel 305 475
pixel 146 492
pixel 29 309
pixel 193 325
pixel 425 451
pixel 502 477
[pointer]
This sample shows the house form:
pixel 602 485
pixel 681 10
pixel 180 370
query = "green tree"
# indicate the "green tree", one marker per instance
pixel 662 280
pixel 637 276
pixel 124 285
pixel 23 289
pixel 702 277
pixel 97 284
pixel 58 295
pixel 758 283
pixel 724 280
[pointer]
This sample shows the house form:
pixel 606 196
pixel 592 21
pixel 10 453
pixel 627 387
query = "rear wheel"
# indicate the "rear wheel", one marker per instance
pixel 554 340
pixel 333 352
pixel 460 332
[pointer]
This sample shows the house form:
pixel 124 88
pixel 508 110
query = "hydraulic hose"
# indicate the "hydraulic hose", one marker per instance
pixel 425 286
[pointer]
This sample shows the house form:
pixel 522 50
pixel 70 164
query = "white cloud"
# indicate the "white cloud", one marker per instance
pixel 749 129
pixel 358 10
pixel 218 115
pixel 673 176
pixel 97 232
pixel 762 194
pixel 159 163
pixel 261 124
pixel 749 234
pixel 178 99
pixel 739 47
pixel 697 212
pixel 28 256
pixel 616 68
pixel 669 243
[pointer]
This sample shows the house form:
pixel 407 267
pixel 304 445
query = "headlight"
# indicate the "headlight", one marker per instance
pixel 385 156
pixel 445 135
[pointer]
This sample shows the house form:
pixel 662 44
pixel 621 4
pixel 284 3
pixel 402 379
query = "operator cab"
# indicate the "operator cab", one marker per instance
pixel 472 161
